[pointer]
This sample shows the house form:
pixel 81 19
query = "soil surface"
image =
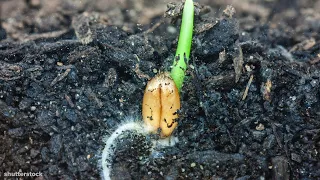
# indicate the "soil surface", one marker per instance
pixel 72 71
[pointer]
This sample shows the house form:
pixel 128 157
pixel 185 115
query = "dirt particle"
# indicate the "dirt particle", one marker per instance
pixel 193 165
pixel 260 127
pixel 16 132
pixel 33 108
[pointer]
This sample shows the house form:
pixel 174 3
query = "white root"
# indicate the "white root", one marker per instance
pixel 138 127
pixel 108 150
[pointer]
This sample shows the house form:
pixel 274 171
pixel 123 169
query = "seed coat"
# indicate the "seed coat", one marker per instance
pixel 161 102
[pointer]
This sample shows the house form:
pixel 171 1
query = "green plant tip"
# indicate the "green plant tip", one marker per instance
pixel 184 45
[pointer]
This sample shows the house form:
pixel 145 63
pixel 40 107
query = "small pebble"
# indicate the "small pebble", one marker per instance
pixel 171 30
pixel 248 68
pixel 155 70
pixel 260 127
pixel 193 165
pixel 33 108
pixel 59 63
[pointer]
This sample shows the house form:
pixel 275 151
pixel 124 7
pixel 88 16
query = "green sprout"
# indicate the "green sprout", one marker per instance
pixel 184 45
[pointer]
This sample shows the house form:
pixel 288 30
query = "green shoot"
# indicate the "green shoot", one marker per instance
pixel 184 45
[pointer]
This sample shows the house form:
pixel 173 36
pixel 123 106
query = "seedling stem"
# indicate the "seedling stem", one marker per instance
pixel 184 45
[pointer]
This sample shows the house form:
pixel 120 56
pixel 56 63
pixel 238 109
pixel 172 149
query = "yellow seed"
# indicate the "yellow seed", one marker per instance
pixel 161 102
pixel 170 104
pixel 151 107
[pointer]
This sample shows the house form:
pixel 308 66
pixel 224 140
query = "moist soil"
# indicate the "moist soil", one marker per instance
pixel 72 71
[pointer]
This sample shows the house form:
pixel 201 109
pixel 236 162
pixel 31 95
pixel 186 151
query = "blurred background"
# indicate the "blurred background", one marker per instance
pixel 21 18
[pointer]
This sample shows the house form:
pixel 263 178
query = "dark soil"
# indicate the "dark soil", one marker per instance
pixel 72 71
